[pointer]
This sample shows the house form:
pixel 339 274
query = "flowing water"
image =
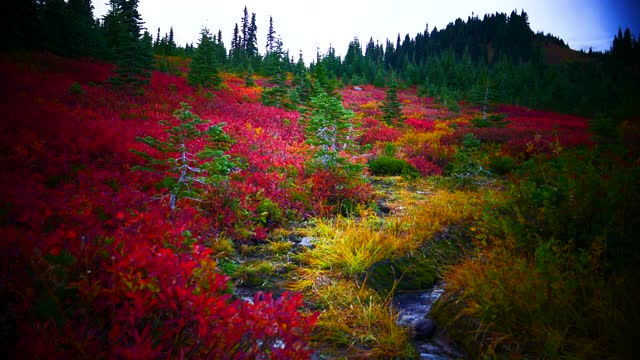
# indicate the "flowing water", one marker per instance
pixel 415 306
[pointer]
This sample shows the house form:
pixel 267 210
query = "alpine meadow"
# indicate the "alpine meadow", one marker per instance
pixel 468 192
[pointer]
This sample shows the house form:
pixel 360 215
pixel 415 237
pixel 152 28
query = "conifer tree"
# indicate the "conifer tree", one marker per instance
pixel 330 129
pixel 20 30
pixel 378 81
pixel 171 46
pixel 203 69
pixel 248 79
pixel 236 47
pixel 391 105
pixel 245 28
pixel 303 89
pixel 252 38
pixel 85 37
pixel 483 93
pixel 185 174
pixel 133 52
pixel 271 37
pixel 278 92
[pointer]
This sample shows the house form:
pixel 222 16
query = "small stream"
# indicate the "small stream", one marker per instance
pixel 414 306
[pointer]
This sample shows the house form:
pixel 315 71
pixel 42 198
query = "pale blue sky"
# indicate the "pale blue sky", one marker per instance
pixel 306 25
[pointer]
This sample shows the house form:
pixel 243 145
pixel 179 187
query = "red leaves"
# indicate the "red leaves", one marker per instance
pixel 374 131
pixel 95 265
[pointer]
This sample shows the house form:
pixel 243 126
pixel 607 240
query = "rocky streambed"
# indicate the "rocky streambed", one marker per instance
pixel 431 342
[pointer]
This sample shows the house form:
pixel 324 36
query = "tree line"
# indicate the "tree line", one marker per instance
pixel 496 59
pixel 499 59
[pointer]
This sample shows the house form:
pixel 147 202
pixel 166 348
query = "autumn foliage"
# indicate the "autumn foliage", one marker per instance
pixel 95 263
pixel 99 262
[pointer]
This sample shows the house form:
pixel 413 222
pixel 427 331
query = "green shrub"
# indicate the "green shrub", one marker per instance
pixel 269 212
pixel 390 149
pixel 492 120
pixel 76 89
pixel 391 166
pixel 501 164
pixel 470 142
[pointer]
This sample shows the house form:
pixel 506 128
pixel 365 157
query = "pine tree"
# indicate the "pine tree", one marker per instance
pixel 156 43
pixel 236 46
pixel 134 53
pixel 85 38
pixel 391 105
pixel 303 89
pixel 185 173
pixel 378 81
pixel 271 37
pixel 171 44
pixel 20 27
pixel 277 94
pixel 329 128
pixel 252 38
pixel 248 79
pixel 484 94
pixel 203 69
pixel 245 28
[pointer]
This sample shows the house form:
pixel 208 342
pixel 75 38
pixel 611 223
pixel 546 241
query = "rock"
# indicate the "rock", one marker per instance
pixel 357 88
pixel 413 272
pixel 423 329
pixel 383 208
pixel 307 241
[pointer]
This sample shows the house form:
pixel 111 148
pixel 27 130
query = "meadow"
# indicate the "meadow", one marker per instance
pixel 527 218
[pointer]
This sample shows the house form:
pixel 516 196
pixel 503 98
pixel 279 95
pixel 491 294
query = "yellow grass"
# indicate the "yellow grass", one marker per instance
pixel 354 318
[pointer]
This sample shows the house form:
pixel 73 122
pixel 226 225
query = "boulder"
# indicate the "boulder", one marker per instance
pixel 414 273
pixel 423 329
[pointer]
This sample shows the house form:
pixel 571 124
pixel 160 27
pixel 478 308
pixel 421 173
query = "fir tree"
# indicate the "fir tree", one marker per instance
pixel 252 38
pixel 171 44
pixel 271 37
pixel 277 93
pixel 20 27
pixel 236 47
pixel 330 129
pixel 248 79
pixel 245 28
pixel 134 53
pixel 391 105
pixel 186 174
pixel 483 93
pixel 378 81
pixel 203 68
pixel 85 38
pixel 156 43
pixel 303 89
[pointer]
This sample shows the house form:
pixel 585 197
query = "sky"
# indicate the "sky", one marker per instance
pixel 308 25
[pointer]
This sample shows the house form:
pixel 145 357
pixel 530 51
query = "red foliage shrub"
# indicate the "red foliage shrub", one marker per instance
pixel 529 131
pixel 94 264
pixel 374 131
pixel 418 124
pixel 425 167
pixel 332 191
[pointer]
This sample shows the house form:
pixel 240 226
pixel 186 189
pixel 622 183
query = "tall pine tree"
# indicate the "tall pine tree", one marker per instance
pixel 133 51
pixel 203 70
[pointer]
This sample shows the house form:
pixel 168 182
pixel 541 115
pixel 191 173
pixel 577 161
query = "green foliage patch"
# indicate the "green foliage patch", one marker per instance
pixel 391 166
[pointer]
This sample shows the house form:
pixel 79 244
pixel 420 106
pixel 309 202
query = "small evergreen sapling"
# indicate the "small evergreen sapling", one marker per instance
pixel 391 105
pixel 186 174
pixel 332 131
